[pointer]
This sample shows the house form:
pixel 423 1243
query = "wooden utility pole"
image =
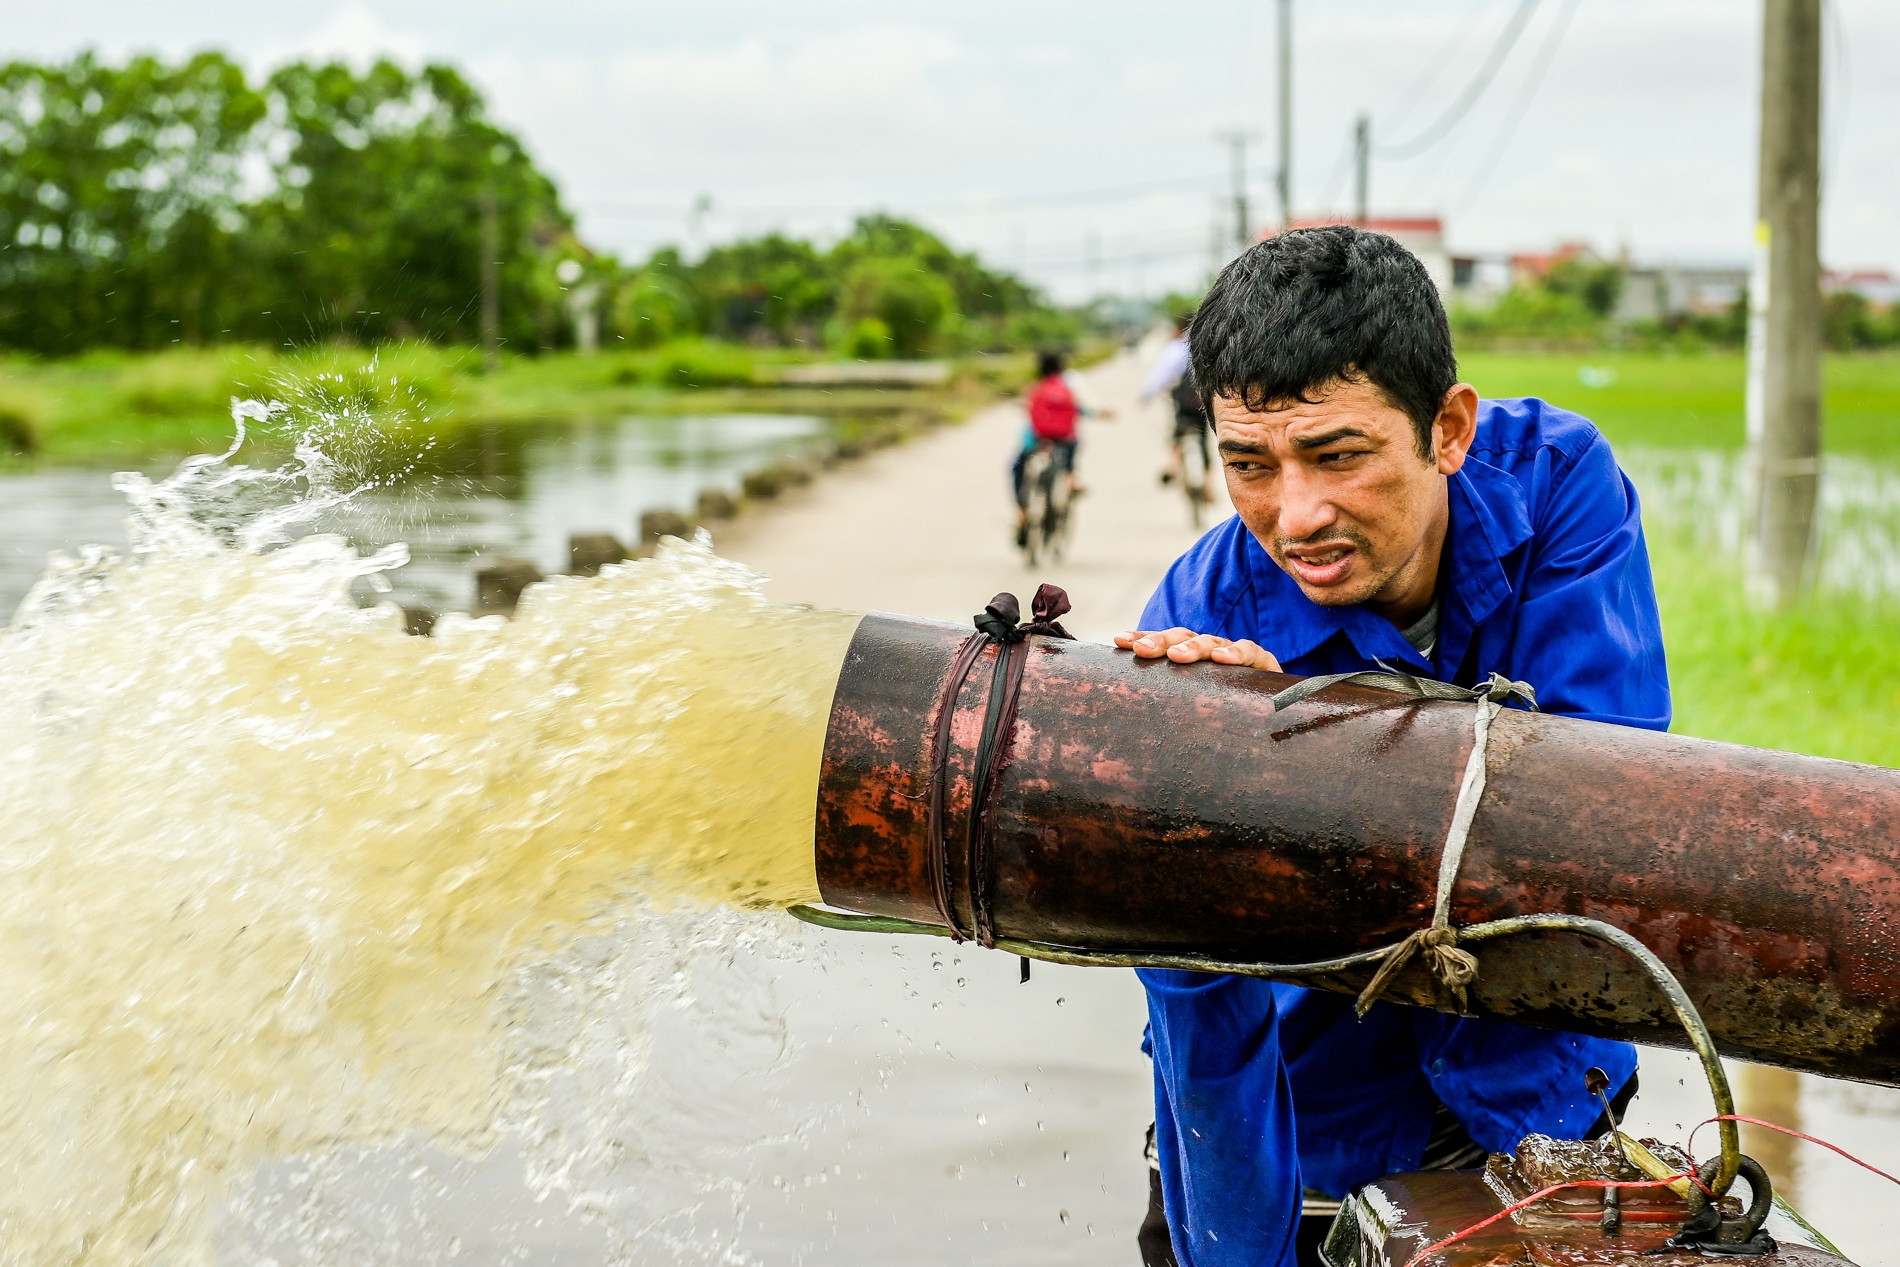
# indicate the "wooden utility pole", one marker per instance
pixel 1283 179
pixel 1784 320
pixel 1362 169
pixel 491 282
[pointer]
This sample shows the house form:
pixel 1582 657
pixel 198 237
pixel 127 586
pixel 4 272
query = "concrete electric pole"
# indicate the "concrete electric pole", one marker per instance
pixel 1361 169
pixel 1283 178
pixel 1784 303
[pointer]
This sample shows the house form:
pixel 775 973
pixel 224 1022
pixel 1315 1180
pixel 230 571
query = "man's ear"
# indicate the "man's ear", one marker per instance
pixel 1455 428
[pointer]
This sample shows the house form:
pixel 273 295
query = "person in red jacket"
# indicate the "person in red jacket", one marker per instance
pixel 1053 409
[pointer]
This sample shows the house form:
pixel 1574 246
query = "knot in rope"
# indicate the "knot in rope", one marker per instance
pixel 1002 619
pixel 1454 968
pixel 998 625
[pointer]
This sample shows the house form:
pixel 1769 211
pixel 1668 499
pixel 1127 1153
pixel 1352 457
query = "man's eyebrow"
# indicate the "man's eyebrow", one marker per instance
pixel 1241 446
pixel 1325 438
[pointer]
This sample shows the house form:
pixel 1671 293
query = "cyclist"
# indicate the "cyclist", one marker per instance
pixel 1054 406
pixel 1172 376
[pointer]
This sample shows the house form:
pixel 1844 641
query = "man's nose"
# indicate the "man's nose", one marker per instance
pixel 1304 507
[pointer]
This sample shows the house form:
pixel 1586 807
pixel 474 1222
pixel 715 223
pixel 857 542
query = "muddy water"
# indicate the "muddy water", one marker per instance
pixel 276 877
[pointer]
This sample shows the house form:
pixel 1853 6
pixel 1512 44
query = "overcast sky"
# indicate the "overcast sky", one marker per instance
pixel 1622 122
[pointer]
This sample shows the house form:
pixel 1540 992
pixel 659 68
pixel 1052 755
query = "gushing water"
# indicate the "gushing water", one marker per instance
pixel 272 872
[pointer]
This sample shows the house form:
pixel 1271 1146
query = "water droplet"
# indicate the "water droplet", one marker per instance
pixel 1063 1215
pixel 1040 1126
pixel 1020 1183
pixel 1060 1001
pixel 961 983
pixel 1026 1087
pixel 1065 1154
pixel 982 1119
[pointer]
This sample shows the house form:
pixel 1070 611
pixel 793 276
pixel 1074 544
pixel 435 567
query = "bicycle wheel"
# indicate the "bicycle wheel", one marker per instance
pixel 1053 513
pixel 1194 462
pixel 1033 484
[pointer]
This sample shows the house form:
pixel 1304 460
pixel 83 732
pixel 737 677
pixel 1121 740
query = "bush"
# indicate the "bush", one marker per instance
pixel 869 340
pixel 185 383
pixel 689 363
pixel 21 422
pixel 1849 322
pixel 912 302
pixel 652 309
pixel 1529 313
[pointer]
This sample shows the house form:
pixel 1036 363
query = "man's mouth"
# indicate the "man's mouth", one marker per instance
pixel 1321 565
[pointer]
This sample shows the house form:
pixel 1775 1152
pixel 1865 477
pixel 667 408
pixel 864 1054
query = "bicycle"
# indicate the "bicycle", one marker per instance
pixel 1190 447
pixel 1046 506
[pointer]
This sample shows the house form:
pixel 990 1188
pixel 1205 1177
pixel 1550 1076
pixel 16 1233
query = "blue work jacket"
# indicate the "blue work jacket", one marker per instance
pixel 1260 1087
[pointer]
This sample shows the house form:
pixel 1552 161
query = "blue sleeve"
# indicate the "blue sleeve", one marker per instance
pixel 1230 1172
pixel 1587 623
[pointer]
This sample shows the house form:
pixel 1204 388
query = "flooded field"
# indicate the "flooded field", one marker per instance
pixel 489 493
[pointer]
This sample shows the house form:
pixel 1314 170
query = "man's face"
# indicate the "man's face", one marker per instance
pixel 1337 493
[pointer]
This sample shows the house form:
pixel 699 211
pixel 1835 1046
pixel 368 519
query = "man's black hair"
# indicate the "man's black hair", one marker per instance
pixel 1309 309
pixel 1048 363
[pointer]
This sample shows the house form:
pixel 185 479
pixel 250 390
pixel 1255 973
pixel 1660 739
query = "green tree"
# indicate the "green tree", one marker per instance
pixel 912 302
pixel 1597 286
pixel 774 285
pixel 120 201
pixel 375 227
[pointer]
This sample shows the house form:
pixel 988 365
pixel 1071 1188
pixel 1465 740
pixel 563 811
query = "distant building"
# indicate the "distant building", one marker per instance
pixel 1876 285
pixel 1652 292
pixel 1528 268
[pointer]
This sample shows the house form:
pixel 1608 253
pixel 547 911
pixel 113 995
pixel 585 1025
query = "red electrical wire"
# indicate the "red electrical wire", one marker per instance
pixel 1540 1194
pixel 1774 1126
pixel 1534 1197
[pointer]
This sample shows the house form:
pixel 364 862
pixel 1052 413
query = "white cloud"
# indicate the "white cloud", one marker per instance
pixel 794 114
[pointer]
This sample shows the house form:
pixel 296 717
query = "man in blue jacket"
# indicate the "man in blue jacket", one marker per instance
pixel 1385 514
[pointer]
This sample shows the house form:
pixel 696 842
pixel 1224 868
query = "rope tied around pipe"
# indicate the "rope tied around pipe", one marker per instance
pixel 1454 968
pixel 1439 942
pixel 998 625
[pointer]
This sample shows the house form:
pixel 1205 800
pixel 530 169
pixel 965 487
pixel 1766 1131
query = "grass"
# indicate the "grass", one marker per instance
pixel 1822 678
pixel 1692 400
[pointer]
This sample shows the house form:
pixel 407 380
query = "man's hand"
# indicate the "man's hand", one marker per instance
pixel 1184 646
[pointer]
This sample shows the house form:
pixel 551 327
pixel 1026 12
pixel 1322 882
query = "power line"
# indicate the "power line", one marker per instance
pixel 1552 41
pixel 1435 65
pixel 967 206
pixel 1460 106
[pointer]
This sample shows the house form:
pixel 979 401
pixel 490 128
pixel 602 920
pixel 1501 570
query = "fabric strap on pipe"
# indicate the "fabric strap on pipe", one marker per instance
pixel 1456 969
pixel 999 625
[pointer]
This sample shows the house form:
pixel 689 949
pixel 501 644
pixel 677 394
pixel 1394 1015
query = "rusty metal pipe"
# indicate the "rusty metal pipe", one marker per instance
pixel 1152 809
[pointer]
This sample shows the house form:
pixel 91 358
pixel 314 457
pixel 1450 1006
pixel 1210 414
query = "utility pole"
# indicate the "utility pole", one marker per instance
pixel 491 282
pixel 1784 318
pixel 1361 168
pixel 1237 139
pixel 1283 179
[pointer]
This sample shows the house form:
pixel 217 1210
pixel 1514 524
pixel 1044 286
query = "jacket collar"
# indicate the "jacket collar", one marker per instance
pixel 1489 518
